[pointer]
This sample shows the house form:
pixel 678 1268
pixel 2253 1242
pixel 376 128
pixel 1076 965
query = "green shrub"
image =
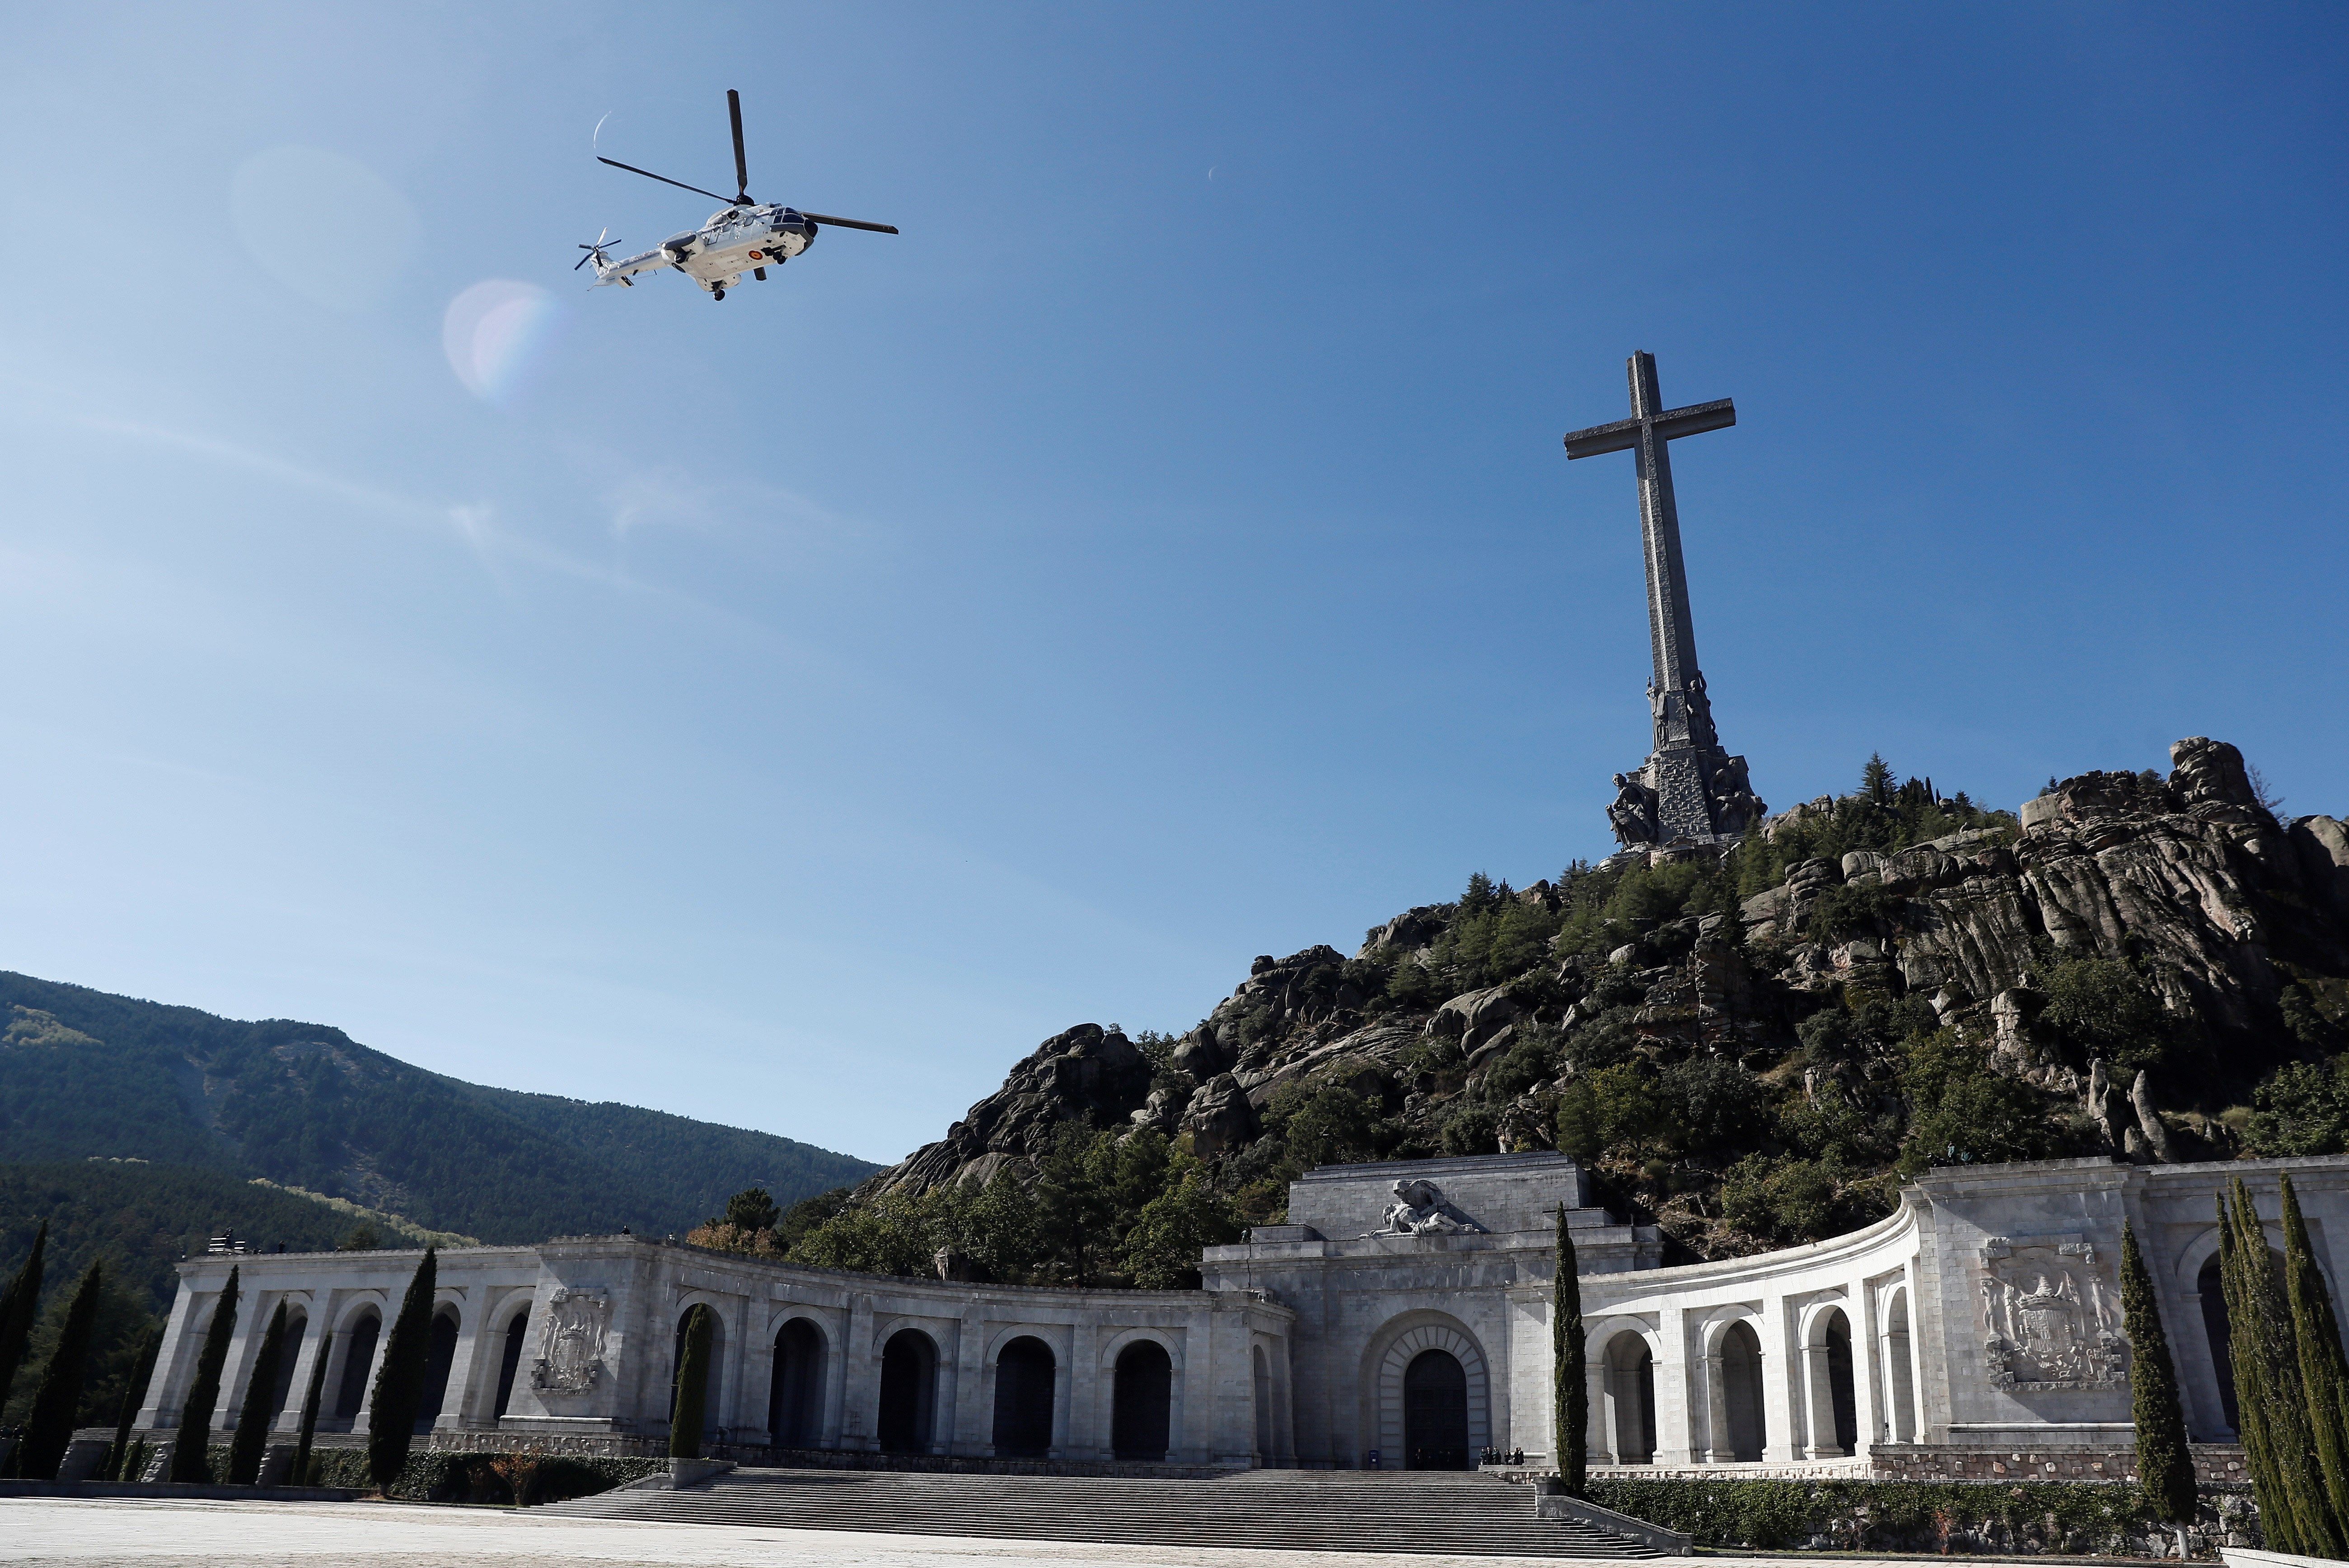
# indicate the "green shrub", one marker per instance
pixel 1883 1516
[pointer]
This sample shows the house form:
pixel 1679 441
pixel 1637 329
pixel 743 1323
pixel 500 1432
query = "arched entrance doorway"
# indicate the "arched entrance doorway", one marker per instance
pixel 909 1386
pixel 437 1362
pixel 1741 1396
pixel 358 1357
pixel 2214 1328
pixel 1436 1412
pixel 1141 1396
pixel 1023 1400
pixel 793 1418
pixel 296 1329
pixel 1900 1416
pixel 1833 1398
pixel 1630 1385
pixel 1260 1386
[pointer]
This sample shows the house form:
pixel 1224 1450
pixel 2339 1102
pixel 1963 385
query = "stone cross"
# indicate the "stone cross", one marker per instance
pixel 1690 788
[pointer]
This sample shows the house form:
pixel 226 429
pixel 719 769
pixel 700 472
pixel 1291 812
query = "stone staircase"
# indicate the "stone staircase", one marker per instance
pixel 1421 1512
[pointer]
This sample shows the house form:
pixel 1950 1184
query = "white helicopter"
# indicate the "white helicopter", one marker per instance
pixel 744 236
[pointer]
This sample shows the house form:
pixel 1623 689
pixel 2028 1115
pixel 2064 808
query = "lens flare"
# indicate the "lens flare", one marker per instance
pixel 495 332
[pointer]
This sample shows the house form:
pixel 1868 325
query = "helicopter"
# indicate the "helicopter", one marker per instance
pixel 742 236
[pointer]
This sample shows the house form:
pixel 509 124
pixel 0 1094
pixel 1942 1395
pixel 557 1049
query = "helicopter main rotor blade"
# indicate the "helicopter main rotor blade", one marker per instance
pixel 665 180
pixel 741 164
pixel 848 223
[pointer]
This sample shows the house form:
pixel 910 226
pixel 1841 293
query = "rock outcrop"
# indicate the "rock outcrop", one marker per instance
pixel 2186 880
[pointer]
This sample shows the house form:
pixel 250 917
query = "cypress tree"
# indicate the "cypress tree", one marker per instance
pixel 189 1459
pixel 253 1419
pixel 48 1431
pixel 16 1310
pixel 310 1410
pixel 141 1370
pixel 2164 1467
pixel 1571 1391
pixel 400 1382
pixel 692 1388
pixel 2324 1370
pixel 2260 1336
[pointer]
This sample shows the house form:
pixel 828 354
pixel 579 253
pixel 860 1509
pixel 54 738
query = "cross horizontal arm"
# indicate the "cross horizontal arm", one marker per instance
pixel 1624 434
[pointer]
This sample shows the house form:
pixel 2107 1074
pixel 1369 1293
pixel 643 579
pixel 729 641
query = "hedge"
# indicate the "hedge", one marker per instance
pixel 501 1477
pixel 2078 1517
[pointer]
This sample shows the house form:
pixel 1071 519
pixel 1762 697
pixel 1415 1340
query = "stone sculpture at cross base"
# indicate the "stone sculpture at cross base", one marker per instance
pixel 1690 790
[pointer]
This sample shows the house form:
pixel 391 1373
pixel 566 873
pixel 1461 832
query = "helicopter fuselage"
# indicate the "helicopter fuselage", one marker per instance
pixel 735 240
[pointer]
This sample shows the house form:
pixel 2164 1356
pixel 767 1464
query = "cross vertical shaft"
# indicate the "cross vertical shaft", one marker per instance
pixel 1690 788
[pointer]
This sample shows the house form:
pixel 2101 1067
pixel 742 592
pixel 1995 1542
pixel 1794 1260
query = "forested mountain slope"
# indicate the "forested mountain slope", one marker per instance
pixel 84 1074
pixel 1749 1048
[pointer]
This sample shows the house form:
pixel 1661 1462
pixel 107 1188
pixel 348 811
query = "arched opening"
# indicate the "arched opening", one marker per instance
pixel 437 1360
pixel 1023 1400
pixel 509 1359
pixel 909 1385
pixel 296 1329
pixel 359 1356
pixel 1741 1393
pixel 1630 1383
pixel 1141 1396
pixel 1435 1411
pixel 711 1383
pixel 1842 1427
pixel 1261 1385
pixel 1900 1415
pixel 2214 1327
pixel 793 1397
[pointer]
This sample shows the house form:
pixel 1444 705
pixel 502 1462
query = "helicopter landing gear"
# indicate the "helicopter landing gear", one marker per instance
pixel 717 293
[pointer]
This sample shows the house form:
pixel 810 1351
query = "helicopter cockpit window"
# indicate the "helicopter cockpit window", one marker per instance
pixel 678 242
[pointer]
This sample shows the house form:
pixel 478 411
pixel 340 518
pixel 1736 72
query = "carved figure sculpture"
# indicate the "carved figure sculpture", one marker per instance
pixel 1419 1210
pixel 571 1347
pixel 1633 814
pixel 2047 1321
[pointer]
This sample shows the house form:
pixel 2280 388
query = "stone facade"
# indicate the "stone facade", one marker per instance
pixel 1401 1316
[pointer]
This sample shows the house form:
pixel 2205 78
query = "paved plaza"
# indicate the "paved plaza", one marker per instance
pixel 44 1531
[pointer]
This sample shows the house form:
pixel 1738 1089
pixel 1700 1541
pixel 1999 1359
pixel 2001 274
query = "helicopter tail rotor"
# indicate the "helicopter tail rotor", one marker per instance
pixel 595 253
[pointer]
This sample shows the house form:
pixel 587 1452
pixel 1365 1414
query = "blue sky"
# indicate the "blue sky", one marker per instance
pixel 787 711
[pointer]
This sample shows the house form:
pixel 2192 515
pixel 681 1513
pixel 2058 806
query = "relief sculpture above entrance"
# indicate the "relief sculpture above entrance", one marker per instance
pixel 2050 1318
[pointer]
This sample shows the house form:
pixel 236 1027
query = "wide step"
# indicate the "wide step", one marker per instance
pixel 1304 1510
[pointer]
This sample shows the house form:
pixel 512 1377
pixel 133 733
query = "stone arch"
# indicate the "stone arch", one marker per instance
pixel 909 1393
pixel 1735 1424
pixel 512 1339
pixel 1900 1423
pixel 1829 1390
pixel 1260 1390
pixel 1387 1362
pixel 1626 1362
pixel 713 1375
pixel 1027 1378
pixel 357 1339
pixel 297 1329
pixel 440 1357
pixel 1142 1401
pixel 2201 1256
pixel 796 1389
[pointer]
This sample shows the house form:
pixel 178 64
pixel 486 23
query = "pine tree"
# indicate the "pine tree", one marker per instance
pixel 2324 1370
pixel 250 1444
pixel 2294 1512
pixel 48 1431
pixel 2164 1466
pixel 692 1387
pixel 1571 1393
pixel 399 1381
pixel 301 1476
pixel 189 1458
pixel 142 1368
pixel 16 1310
pixel 1876 779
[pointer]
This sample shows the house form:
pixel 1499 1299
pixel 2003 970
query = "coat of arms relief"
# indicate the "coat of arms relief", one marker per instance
pixel 571 1346
pixel 2050 1317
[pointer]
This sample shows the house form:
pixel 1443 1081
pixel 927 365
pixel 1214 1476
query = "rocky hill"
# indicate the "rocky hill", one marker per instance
pixel 1750 1047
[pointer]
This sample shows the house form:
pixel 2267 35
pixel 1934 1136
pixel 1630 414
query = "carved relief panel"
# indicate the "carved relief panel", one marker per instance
pixel 570 1345
pixel 2049 1314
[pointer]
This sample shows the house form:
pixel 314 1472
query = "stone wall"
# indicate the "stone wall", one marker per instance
pixel 2215 1464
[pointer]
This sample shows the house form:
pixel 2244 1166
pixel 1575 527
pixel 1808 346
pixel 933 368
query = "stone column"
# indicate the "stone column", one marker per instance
pixel 1674 1444
pixel 859 1379
pixel 1598 1427
pixel 1088 1435
pixel 1818 1404
pixel 754 1386
pixel 314 1334
pixel 253 1310
pixel 1716 1449
pixel 1916 1424
pixel 1867 1388
pixel 1781 1368
pixel 457 1401
pixel 175 1359
pixel 973 1432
